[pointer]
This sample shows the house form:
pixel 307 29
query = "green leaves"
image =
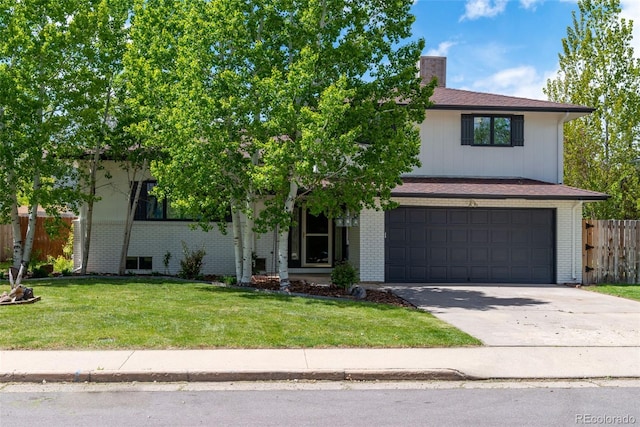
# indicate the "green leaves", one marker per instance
pixel 598 69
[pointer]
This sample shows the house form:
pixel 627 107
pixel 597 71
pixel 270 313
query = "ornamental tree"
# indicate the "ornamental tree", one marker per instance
pixel 278 102
pixel 39 85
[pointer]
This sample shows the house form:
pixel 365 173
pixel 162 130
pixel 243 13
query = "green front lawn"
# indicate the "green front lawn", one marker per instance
pixel 619 290
pixel 102 313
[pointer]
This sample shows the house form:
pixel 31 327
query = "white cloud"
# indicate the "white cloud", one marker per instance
pixel 530 4
pixel 631 11
pixel 475 9
pixel 523 81
pixel 442 49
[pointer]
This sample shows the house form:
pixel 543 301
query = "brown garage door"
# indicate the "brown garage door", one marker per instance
pixel 452 245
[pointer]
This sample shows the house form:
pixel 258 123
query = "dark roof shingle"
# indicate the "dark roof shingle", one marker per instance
pixel 485 188
pixel 450 99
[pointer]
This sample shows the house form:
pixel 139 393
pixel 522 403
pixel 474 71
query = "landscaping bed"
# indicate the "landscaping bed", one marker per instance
pixel 332 291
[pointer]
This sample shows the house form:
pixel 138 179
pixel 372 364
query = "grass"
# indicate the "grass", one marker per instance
pixel 102 313
pixel 619 290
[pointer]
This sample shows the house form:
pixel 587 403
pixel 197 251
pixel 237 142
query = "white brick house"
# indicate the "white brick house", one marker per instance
pixel 486 205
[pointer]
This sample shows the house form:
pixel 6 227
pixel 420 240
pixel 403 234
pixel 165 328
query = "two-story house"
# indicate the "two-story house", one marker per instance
pixel 486 205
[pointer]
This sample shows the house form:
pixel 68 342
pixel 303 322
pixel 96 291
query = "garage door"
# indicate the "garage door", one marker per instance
pixel 452 245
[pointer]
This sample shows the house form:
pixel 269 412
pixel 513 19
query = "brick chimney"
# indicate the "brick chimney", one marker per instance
pixel 434 66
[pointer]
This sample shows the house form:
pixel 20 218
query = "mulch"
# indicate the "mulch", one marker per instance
pixel 331 291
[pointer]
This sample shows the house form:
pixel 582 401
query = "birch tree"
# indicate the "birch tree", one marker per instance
pixel 103 27
pixel 598 68
pixel 281 101
pixel 36 49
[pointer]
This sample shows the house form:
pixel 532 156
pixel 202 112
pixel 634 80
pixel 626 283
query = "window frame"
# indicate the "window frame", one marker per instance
pixel 516 130
pixel 141 210
pixel 144 199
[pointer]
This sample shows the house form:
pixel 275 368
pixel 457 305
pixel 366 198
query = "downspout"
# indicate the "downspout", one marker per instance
pixel 574 241
pixel 560 148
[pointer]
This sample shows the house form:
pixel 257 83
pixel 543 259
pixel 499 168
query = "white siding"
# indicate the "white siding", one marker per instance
pixel 568 234
pixel 442 154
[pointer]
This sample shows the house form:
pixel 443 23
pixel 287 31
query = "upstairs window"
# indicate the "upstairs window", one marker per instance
pixel 492 130
pixel 151 208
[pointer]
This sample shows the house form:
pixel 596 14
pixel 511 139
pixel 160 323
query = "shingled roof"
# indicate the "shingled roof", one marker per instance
pixel 484 188
pixel 456 99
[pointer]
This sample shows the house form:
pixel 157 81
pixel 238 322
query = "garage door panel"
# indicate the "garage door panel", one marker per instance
pixel 520 236
pixel 397 235
pixel 479 255
pixel 436 236
pixel 458 236
pixel 437 217
pixel 470 245
pixel 500 216
pixel 520 218
pixel 437 256
pixel 499 255
pixel 499 236
pixel 500 274
pixel 418 256
pixel 480 236
pixel 480 274
pixel 458 255
pixel 458 217
pixel 416 216
pixel 458 273
pixel 396 256
pixel 479 217
pixel 520 256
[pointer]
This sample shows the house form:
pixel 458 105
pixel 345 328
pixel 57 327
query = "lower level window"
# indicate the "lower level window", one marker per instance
pixel 139 263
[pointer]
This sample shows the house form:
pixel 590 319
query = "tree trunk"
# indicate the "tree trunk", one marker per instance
pixel 88 222
pixel 31 227
pixel 283 239
pixel 93 172
pixel 247 247
pixel 130 215
pixel 17 231
pixel 237 241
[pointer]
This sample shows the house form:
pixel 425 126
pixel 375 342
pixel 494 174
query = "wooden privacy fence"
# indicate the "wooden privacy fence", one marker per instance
pixel 43 245
pixel 611 251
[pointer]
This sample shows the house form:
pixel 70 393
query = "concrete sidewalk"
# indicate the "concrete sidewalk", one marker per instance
pixel 321 364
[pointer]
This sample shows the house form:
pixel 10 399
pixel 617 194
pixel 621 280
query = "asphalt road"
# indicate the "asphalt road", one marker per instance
pixel 323 404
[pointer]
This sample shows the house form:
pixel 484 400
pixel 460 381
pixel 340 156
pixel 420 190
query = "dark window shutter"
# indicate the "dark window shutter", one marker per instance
pixel 517 131
pixel 467 129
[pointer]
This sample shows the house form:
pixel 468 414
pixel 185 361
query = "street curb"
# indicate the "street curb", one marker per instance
pixel 145 376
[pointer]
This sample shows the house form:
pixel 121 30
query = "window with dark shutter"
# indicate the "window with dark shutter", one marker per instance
pixel 486 130
pixel 467 129
pixel 517 131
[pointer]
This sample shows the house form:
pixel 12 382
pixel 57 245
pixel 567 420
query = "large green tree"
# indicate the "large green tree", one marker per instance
pixel 598 69
pixel 38 50
pixel 278 102
pixel 100 116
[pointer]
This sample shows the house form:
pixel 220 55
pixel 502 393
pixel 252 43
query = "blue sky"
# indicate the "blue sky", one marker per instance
pixel 507 47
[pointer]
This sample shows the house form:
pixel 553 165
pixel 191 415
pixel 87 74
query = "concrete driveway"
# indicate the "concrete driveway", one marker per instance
pixel 530 315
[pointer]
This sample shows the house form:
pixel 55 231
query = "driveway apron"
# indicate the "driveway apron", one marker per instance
pixel 530 315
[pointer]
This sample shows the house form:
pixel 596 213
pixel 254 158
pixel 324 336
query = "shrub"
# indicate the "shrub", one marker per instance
pixel 61 264
pixel 229 280
pixel 191 265
pixel 39 273
pixel 344 274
